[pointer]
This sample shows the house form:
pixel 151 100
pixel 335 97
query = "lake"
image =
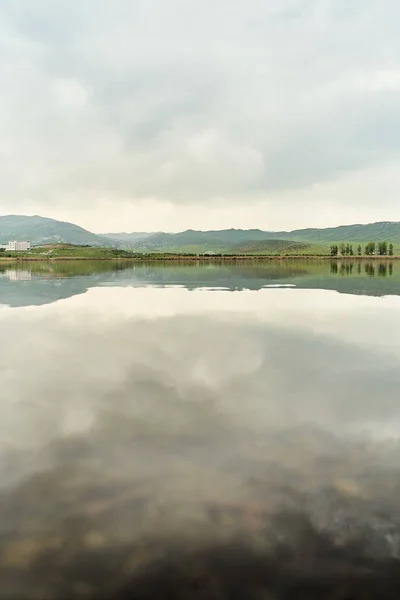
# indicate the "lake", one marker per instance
pixel 212 430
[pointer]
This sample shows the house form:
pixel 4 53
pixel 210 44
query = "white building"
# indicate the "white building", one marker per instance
pixel 15 246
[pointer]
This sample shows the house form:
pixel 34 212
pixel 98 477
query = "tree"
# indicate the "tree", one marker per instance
pixel 390 249
pixel 370 248
pixel 359 250
pixel 351 250
pixel 342 249
pixel 334 250
pixel 382 248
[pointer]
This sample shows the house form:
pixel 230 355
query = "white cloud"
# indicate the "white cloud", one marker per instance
pixel 216 113
pixel 71 94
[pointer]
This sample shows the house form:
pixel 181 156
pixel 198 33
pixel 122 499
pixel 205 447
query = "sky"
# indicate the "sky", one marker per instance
pixel 148 115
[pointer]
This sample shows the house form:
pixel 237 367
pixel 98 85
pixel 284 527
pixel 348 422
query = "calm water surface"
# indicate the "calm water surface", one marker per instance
pixel 148 410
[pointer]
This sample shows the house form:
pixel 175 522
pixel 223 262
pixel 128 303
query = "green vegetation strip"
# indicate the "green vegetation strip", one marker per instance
pixel 74 252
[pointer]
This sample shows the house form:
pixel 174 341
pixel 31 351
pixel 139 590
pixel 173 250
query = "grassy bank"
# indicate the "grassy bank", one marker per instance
pixel 204 259
pixel 67 252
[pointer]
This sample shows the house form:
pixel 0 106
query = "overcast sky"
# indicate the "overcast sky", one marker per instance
pixel 146 115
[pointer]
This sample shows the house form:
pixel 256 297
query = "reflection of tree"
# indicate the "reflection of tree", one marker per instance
pixel 382 269
pixel 349 268
pixel 344 268
pixel 359 268
pixel 370 269
pixel 390 267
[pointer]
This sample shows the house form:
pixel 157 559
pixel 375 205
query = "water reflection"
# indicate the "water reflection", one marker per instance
pixel 382 269
pixel 18 274
pixel 370 270
pixel 40 283
pixel 144 428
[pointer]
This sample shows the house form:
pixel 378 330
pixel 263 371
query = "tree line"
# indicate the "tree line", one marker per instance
pixel 381 249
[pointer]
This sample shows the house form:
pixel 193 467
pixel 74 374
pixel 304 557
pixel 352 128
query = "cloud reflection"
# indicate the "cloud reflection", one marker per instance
pixel 134 415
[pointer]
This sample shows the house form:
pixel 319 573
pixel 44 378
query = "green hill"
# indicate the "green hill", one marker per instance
pixel 258 241
pixel 388 231
pixel 126 239
pixel 41 230
pixel 225 240
pixel 271 247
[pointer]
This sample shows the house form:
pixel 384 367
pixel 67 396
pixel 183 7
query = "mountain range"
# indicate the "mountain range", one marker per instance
pixel 41 230
pixel 256 240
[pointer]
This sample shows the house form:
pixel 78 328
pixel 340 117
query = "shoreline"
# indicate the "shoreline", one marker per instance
pixel 185 258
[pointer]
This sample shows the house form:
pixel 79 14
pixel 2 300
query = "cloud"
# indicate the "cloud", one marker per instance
pixel 196 107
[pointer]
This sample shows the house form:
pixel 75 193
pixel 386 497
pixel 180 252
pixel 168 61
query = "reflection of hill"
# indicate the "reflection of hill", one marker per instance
pixel 373 280
pixel 63 268
pixel 43 283
pixel 241 275
pixel 34 284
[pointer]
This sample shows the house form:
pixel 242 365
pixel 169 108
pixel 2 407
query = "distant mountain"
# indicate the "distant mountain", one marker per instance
pixel 41 230
pixel 388 231
pixel 224 240
pixel 254 240
pixel 127 237
pixel 126 240
pixel 270 247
